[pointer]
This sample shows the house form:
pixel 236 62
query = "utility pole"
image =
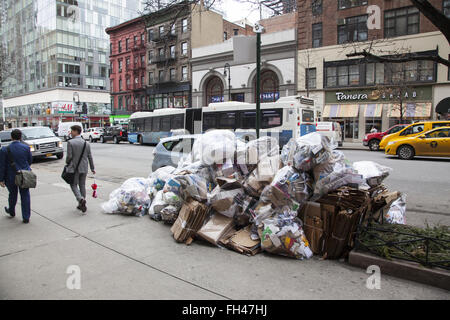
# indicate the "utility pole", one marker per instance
pixel 258 29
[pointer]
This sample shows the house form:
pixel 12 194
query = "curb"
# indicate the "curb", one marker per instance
pixel 436 277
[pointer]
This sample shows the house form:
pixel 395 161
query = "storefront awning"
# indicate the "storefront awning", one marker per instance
pixel 373 110
pixel 340 111
pixel 411 110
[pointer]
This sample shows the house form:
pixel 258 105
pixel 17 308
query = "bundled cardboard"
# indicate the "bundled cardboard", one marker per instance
pixel 242 242
pixel 217 226
pixel 190 219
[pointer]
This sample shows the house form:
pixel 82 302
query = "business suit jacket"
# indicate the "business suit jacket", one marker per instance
pixel 22 158
pixel 74 149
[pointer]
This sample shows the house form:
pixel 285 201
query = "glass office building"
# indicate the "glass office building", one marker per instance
pixel 57 48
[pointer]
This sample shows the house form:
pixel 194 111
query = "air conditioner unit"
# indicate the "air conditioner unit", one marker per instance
pixel 341 21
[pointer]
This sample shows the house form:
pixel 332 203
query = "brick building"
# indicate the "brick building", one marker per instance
pixel 127 67
pixel 353 91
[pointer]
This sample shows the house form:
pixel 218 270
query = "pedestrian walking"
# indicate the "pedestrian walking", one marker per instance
pixel 17 156
pixel 78 156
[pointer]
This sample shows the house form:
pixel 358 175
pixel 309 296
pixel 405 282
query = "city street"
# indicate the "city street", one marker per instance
pixel 136 258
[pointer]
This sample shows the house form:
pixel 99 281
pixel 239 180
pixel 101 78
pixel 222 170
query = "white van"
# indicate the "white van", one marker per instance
pixel 64 129
pixel 331 130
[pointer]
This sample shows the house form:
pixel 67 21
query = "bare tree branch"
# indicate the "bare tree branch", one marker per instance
pixel 399 59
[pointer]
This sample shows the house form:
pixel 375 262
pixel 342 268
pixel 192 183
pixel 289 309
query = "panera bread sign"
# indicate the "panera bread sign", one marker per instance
pixel 346 96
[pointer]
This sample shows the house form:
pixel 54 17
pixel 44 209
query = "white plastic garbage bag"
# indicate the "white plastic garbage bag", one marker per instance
pixel 372 172
pixel 214 147
pixel 131 198
pixel 397 212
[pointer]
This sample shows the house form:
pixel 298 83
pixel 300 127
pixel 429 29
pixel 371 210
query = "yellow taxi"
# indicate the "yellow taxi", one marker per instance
pixel 413 130
pixel 434 143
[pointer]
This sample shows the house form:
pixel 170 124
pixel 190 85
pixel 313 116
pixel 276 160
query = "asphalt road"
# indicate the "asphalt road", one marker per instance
pixel 122 257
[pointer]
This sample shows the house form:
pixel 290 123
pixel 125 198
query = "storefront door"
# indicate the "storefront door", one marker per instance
pixel 350 127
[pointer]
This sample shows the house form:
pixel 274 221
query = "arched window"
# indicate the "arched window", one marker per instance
pixel 214 90
pixel 270 86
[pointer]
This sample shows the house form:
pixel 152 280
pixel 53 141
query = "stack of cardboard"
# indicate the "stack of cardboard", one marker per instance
pixel 242 242
pixel 217 226
pixel 189 221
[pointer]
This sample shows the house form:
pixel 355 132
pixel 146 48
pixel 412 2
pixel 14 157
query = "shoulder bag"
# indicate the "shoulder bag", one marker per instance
pixel 24 179
pixel 69 177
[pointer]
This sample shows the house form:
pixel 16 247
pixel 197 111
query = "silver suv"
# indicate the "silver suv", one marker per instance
pixel 42 141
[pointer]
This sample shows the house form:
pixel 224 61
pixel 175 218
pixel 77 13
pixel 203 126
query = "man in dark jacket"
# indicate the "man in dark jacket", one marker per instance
pixel 21 155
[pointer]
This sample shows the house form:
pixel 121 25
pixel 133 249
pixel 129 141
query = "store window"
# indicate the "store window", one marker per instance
pixel 401 22
pixel 269 86
pixel 317 35
pixel 311 78
pixel 353 29
pixel 374 73
pixel 344 4
pixel 214 90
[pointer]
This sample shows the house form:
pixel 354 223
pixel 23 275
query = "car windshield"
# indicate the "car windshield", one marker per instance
pixel 37 133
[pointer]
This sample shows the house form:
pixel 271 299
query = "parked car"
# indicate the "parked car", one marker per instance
pixel 115 133
pixel 372 140
pixel 64 129
pixel 42 141
pixel 169 151
pixel 413 130
pixel 331 130
pixel 434 143
pixel 93 134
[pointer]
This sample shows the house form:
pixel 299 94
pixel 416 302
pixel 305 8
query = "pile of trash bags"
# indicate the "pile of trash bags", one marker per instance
pixel 249 197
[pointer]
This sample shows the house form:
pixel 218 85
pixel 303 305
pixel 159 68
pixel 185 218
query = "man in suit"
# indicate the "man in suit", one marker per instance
pixel 74 153
pixel 21 156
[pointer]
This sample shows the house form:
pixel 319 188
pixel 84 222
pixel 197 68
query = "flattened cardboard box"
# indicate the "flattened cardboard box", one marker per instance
pixel 241 242
pixel 218 226
pixel 189 221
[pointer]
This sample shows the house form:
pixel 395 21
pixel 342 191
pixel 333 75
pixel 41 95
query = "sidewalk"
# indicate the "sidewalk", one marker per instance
pixel 136 258
pixel 353 146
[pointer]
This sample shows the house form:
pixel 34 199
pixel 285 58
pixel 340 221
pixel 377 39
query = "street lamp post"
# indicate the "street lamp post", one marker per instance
pixel 227 65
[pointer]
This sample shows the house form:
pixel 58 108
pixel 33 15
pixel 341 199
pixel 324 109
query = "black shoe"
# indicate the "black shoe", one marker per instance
pixel 26 220
pixel 11 214
pixel 82 205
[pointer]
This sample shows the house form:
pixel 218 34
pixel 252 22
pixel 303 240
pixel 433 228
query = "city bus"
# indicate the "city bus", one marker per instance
pixel 288 117
pixel 150 127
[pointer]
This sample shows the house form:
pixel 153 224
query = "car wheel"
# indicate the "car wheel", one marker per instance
pixel 116 141
pixel 374 145
pixel 102 140
pixel 60 155
pixel 405 152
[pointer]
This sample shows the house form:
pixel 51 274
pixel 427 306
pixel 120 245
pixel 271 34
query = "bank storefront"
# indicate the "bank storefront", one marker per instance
pixel 358 111
pixel 52 113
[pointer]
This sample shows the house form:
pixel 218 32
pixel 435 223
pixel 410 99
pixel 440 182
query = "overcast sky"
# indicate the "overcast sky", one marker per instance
pixel 235 10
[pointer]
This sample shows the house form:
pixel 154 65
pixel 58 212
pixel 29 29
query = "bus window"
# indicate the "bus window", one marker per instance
pixel 209 120
pixel 178 121
pixel 271 118
pixel 148 125
pixel 165 124
pixel 227 120
pixel 307 115
pixel 140 125
pixel 132 126
pixel 248 119
pixel 155 124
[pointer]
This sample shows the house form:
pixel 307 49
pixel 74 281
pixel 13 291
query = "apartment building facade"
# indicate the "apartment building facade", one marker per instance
pixel 361 94
pixel 127 67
